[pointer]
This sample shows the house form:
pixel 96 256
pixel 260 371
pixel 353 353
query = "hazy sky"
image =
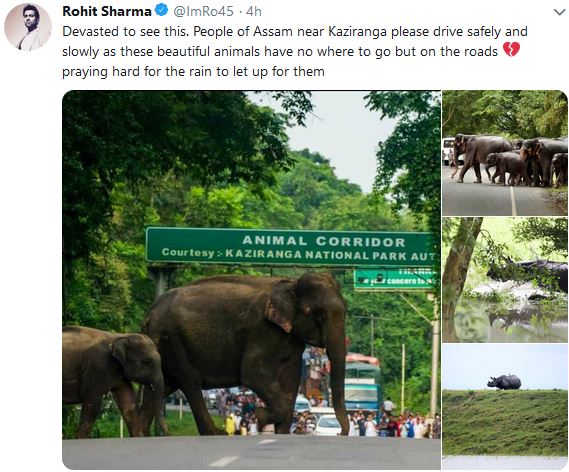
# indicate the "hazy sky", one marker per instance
pixel 343 131
pixel 469 366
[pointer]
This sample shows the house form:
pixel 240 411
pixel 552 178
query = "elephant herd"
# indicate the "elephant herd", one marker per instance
pixel 536 162
pixel 217 332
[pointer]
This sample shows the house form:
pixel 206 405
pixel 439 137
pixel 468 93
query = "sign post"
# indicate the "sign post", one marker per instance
pixel 407 278
pixel 289 247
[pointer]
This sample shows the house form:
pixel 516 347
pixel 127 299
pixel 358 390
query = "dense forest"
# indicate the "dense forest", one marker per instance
pixel 215 159
pixel 513 114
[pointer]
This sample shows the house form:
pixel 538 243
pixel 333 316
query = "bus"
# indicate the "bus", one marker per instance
pixel 363 387
pixel 363 394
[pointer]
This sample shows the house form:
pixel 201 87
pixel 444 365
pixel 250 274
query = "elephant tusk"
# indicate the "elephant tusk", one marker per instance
pixel 140 399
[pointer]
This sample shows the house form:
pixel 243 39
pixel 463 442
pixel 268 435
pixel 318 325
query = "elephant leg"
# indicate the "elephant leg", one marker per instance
pixel 546 175
pixel 465 167
pixel 277 385
pixel 146 412
pixel 289 379
pixel 488 173
pixel 89 411
pixel 189 381
pixel 496 173
pixel 277 409
pixel 478 174
pixel 125 398
pixel 535 169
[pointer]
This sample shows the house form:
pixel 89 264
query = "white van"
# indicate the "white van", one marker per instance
pixel 319 411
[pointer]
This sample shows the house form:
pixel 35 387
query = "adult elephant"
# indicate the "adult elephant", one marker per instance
pixel 226 331
pixel 559 167
pixel 476 148
pixel 542 150
pixel 96 362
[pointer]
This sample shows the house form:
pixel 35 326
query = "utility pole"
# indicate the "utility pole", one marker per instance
pixel 435 359
pixel 436 337
pixel 402 378
pixel 372 337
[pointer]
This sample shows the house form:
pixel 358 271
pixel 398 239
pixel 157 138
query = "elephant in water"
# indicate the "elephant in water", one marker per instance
pixel 228 331
pixel 96 362
pixel 550 275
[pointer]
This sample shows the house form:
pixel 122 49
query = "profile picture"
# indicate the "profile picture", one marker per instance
pixel 27 26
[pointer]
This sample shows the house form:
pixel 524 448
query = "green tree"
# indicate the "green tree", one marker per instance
pixel 551 232
pixel 514 114
pixel 134 137
pixel 455 272
pixel 408 161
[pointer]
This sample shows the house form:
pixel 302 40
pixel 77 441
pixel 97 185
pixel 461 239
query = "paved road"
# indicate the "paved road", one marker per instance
pixel 253 452
pixel 486 199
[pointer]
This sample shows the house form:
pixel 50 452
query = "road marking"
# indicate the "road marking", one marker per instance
pixel 224 461
pixel 266 441
pixel 513 201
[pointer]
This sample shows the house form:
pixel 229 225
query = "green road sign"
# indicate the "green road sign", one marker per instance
pixel 393 279
pixel 289 247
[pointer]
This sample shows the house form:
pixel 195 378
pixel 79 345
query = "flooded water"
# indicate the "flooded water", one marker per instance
pixel 529 316
pixel 503 462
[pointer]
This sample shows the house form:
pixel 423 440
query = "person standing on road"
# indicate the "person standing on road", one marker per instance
pixel 353 426
pixel 237 419
pixel 361 423
pixel 230 425
pixel 253 426
pixel 388 407
pixel 437 427
pixel 370 430
pixel 410 427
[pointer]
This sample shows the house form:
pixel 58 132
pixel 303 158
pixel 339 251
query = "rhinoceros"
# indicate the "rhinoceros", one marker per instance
pixel 505 382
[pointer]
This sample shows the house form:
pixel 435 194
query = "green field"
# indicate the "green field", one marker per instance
pixel 515 422
pixel 108 424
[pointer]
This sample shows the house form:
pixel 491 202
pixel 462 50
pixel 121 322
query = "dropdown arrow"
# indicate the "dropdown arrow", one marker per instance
pixel 559 12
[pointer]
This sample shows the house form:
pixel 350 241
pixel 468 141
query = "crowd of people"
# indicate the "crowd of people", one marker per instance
pixel 396 426
pixel 238 411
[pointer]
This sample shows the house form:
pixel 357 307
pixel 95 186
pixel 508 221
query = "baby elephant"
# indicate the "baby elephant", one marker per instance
pixel 559 167
pixel 509 162
pixel 96 362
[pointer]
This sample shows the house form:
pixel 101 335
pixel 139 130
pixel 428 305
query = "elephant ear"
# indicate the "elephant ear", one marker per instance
pixel 280 307
pixel 118 350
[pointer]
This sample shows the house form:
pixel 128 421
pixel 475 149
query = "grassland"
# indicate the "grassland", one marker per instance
pixel 516 422
pixel 107 425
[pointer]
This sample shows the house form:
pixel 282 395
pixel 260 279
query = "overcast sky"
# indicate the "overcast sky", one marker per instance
pixel 469 366
pixel 343 131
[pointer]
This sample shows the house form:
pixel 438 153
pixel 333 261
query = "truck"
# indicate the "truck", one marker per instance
pixel 362 388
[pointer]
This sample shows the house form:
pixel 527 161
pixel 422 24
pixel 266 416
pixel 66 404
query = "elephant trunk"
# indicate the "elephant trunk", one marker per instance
pixel 158 386
pixel 336 349
pixel 150 405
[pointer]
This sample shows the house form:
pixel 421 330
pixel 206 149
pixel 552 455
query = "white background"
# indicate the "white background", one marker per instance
pixel 30 190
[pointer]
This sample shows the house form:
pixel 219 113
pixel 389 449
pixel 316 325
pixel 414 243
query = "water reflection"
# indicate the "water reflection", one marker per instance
pixel 529 317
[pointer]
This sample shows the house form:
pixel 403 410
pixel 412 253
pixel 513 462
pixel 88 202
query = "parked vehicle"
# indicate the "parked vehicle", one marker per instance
pixel 302 404
pixel 363 394
pixel 319 411
pixel 327 425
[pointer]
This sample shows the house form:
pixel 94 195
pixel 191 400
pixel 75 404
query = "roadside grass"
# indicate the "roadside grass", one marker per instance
pixel 108 423
pixel 512 422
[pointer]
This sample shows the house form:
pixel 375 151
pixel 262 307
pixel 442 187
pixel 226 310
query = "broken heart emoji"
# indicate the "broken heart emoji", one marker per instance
pixel 511 49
